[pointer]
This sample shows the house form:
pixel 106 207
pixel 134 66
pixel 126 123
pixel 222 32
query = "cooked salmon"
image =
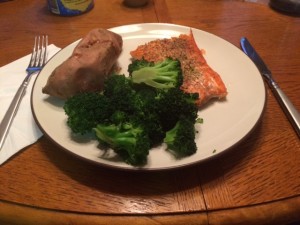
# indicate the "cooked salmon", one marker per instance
pixel 199 77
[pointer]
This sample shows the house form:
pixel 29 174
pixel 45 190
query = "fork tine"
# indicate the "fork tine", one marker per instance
pixel 38 52
pixel 42 50
pixel 45 50
pixel 32 58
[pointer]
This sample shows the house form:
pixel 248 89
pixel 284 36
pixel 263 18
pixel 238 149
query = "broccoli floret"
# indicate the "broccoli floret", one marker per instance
pixel 145 109
pixel 120 92
pixel 144 100
pixel 86 110
pixel 138 64
pixel 154 129
pixel 128 140
pixel 118 117
pixel 174 103
pixel 115 84
pixel 160 75
pixel 181 139
pixel 136 113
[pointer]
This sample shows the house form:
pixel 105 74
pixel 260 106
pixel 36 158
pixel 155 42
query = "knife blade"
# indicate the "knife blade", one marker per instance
pixel 253 55
pixel 287 106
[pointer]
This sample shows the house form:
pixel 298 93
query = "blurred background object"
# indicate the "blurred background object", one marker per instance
pixel 135 3
pixel 70 7
pixel 287 6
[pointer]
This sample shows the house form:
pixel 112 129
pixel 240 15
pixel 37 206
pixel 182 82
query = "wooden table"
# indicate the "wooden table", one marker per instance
pixel 256 182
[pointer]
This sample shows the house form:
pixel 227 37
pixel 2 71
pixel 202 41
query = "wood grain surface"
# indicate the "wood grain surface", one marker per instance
pixel 255 182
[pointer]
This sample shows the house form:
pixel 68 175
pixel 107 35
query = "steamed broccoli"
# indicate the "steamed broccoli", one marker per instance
pixel 133 114
pixel 138 64
pixel 144 101
pixel 127 139
pixel 181 138
pixel 86 110
pixel 117 84
pixel 118 117
pixel 120 92
pixel 145 107
pixel 174 103
pixel 160 75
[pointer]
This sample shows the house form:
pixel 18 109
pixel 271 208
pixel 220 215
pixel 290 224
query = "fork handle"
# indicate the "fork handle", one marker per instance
pixel 11 111
pixel 287 106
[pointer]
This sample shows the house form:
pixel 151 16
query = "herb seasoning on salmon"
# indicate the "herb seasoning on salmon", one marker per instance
pixel 199 77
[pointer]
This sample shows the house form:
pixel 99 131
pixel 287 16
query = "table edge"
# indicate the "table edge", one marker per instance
pixel 282 211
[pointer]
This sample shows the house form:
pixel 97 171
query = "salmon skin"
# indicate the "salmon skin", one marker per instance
pixel 198 76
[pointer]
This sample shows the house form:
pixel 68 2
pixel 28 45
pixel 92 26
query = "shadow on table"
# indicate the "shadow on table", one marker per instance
pixel 148 182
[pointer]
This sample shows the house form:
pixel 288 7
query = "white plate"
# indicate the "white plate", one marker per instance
pixel 226 123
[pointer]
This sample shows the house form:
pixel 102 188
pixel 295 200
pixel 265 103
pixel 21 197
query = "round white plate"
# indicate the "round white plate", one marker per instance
pixel 226 122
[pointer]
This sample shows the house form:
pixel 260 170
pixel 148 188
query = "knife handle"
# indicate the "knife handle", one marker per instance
pixel 288 107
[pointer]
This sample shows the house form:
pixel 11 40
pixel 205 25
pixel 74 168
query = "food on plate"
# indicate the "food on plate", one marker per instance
pixel 164 74
pixel 181 138
pixel 131 118
pixel 198 76
pixel 91 62
pixel 157 103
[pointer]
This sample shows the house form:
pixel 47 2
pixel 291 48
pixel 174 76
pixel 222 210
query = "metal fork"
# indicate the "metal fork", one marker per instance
pixel 36 63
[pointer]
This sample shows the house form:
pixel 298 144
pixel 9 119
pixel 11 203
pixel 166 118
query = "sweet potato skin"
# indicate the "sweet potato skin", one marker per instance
pixel 92 60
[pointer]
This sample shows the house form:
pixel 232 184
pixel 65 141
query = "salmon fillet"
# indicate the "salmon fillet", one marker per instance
pixel 198 76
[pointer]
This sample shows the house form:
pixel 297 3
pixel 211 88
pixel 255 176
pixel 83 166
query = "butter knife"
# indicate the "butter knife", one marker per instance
pixel 287 106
